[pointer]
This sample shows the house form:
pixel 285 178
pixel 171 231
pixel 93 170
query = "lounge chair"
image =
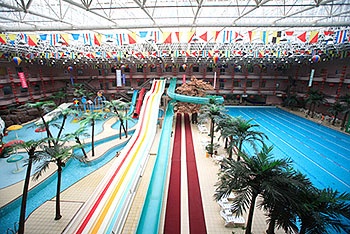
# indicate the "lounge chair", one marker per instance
pixel 231 220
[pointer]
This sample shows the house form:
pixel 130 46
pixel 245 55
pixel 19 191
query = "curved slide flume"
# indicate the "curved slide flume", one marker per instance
pixel 106 210
pixel 133 102
pixel 150 215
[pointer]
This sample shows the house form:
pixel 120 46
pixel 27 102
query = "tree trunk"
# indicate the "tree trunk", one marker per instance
pixel 271 227
pixel 120 119
pixel 251 213
pixel 239 150
pixel 344 120
pixel 82 147
pixel 61 128
pixel 22 216
pixel 93 138
pixel 58 190
pixel 335 117
pixel 212 136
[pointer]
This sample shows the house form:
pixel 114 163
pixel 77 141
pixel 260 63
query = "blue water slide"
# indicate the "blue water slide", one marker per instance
pixel 151 211
pixel 150 216
pixel 184 98
pixel 133 102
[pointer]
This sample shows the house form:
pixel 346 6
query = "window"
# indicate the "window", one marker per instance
pixel 7 90
pixel 249 83
pixel 153 69
pixel 195 69
pixel 169 68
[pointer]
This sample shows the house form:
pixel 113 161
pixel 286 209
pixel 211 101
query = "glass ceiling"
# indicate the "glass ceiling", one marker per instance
pixel 97 15
pixel 106 17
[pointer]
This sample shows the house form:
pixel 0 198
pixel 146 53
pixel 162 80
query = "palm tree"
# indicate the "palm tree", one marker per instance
pixel 59 154
pixel 281 209
pixel 226 127
pixel 213 112
pixel 117 106
pixel 80 131
pixel 315 98
pixel 30 147
pixel 90 118
pixel 345 100
pixel 43 108
pixel 335 109
pixel 254 176
pixel 291 101
pixel 323 209
pixel 58 96
pixel 243 131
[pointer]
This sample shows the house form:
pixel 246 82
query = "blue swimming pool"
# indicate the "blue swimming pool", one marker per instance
pixel 321 153
pixel 74 171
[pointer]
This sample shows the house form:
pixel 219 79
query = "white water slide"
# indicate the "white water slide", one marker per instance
pixel 106 210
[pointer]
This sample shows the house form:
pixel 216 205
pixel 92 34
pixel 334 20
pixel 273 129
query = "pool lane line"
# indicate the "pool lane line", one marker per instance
pixel 305 156
pixel 280 124
pixel 102 194
pixel 112 196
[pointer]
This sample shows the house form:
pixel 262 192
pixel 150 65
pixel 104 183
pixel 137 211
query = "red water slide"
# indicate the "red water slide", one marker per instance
pixel 139 103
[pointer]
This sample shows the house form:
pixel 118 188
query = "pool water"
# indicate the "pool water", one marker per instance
pixel 319 152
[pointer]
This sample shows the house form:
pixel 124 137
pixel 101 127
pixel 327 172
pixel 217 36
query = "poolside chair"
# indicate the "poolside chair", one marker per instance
pixel 202 128
pixel 231 220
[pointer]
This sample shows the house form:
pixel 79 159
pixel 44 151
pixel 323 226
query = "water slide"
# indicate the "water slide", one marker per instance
pixel 151 212
pixel 54 114
pixel 133 102
pixel 106 209
pixel 139 103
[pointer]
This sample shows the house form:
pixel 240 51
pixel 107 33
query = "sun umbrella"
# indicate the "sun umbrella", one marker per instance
pixel 14 128
pixel 40 130
pixel 13 142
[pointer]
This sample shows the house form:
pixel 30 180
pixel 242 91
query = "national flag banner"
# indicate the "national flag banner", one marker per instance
pixel 3 39
pixel 75 36
pixel 276 37
pixel 12 38
pixel 97 39
pixel 54 38
pixel 155 36
pixel 64 39
pixel 188 36
pixel 216 35
pixel 121 39
pixel 108 38
pixel 194 53
pixel 313 38
pixel 227 36
pixel 341 36
pixel 167 38
pixel 302 37
pixel 132 38
pixel 143 35
pixel 251 36
pixel 264 37
pixel 204 36
pixel 43 37
pixel 87 39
